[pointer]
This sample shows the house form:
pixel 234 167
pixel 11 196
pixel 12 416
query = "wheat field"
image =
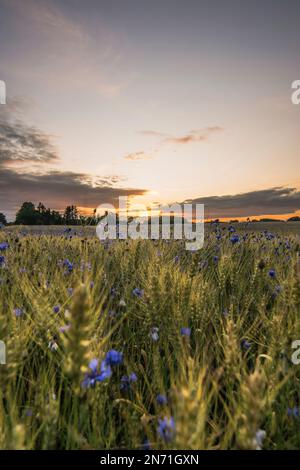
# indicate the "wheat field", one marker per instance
pixel 142 344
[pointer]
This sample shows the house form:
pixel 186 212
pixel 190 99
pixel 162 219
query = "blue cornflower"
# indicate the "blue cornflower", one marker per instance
pixel 114 358
pixel 64 328
pixel 215 259
pixel 2 260
pixel 126 381
pixel 293 412
pixel 269 236
pixel 272 273
pixel 138 292
pixel 68 265
pixel 277 291
pixel 245 344
pixel 70 291
pixel 18 312
pixel 132 377
pixel 95 375
pixel 4 246
pixel 161 399
pixel 146 445
pixel 56 308
pixel 154 333
pixel 113 291
pixel 234 239
pixel 166 429
pixel 185 332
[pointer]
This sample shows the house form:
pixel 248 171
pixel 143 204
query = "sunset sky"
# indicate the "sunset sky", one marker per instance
pixel 164 100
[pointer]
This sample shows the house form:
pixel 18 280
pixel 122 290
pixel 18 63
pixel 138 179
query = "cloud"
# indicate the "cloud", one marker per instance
pixel 273 201
pixel 137 156
pixel 22 144
pixel 48 18
pixel 57 189
pixel 153 133
pixel 196 135
pixel 64 52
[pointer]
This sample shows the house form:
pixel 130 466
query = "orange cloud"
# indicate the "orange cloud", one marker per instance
pixel 137 156
pixel 196 135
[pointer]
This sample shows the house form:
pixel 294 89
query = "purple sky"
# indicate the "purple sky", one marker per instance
pixel 163 100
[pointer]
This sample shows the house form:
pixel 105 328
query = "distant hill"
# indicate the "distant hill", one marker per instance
pixel 270 220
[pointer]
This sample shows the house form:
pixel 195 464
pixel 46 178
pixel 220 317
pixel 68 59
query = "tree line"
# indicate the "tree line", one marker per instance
pixel 29 214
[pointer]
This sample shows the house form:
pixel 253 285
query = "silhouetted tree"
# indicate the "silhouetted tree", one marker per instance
pixel 56 218
pixel 26 214
pixel 3 220
pixel 71 215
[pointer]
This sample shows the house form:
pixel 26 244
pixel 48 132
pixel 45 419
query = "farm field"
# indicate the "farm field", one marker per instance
pixel 280 228
pixel 142 344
